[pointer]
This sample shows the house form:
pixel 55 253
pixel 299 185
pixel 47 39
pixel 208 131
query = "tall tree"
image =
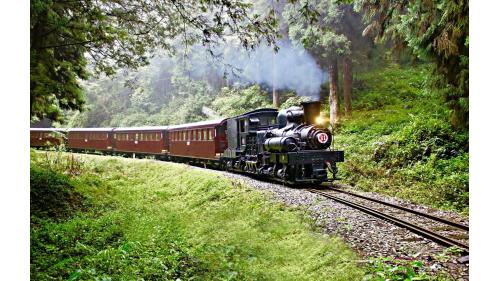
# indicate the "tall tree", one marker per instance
pixel 66 36
pixel 352 27
pixel 330 39
pixel 347 85
pixel 436 30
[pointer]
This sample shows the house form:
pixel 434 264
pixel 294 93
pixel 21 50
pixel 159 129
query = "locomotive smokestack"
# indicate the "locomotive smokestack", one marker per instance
pixel 311 111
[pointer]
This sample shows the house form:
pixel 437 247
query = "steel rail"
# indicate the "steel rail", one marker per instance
pixel 436 218
pixel 445 241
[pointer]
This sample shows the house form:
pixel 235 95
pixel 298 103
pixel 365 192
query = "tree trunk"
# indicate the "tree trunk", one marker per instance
pixel 334 97
pixel 276 98
pixel 347 85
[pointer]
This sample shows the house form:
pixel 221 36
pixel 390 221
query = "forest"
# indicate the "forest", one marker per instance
pixel 392 77
pixel 403 65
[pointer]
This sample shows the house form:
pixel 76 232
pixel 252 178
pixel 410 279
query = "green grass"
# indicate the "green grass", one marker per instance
pixel 399 140
pixel 144 219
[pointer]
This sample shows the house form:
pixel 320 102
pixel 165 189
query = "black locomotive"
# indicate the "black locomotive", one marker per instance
pixel 285 145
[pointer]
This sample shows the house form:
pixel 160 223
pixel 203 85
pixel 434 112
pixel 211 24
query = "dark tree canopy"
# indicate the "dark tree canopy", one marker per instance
pixel 67 35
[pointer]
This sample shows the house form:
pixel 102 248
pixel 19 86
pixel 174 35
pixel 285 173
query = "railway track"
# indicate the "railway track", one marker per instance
pixel 411 226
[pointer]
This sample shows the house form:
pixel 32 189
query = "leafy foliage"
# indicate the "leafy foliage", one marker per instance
pixel 232 102
pixel 382 269
pixel 435 30
pixel 294 101
pixel 65 35
pixel 52 195
pixel 399 142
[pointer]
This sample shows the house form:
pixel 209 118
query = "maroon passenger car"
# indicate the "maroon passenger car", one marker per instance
pixel 202 140
pixel 141 140
pixel 90 139
pixel 46 137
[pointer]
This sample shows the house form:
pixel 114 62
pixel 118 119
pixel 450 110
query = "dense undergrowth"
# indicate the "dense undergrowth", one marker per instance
pixel 144 220
pixel 399 140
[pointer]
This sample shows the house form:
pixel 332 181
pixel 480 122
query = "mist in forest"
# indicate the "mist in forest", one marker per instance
pixel 291 68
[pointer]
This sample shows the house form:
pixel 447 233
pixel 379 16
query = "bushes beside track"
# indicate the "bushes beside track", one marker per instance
pixel 399 140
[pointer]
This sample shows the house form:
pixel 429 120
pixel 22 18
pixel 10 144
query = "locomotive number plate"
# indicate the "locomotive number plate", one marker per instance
pixel 322 137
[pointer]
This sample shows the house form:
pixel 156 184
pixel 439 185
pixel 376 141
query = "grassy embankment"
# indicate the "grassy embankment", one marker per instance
pixel 399 141
pixel 108 218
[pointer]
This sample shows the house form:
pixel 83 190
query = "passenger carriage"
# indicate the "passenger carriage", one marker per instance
pixel 141 140
pixel 89 139
pixel 204 140
pixel 46 137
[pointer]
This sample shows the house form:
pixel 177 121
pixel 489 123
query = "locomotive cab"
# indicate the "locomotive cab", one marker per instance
pixel 242 131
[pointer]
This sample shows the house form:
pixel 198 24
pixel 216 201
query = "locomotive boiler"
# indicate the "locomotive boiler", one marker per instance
pixel 286 145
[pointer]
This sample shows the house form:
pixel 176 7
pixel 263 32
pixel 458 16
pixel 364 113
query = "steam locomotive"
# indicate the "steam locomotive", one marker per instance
pixel 287 145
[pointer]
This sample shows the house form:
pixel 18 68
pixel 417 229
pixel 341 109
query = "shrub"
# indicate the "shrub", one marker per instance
pixel 52 194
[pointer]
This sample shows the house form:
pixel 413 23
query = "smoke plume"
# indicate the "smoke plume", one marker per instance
pixel 294 68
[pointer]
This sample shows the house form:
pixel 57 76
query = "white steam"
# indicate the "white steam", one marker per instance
pixel 294 68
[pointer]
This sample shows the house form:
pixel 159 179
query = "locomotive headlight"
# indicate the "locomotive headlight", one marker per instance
pixel 320 120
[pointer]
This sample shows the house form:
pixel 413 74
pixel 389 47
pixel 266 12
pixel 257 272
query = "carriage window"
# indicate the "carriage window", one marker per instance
pixel 210 134
pixel 205 134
